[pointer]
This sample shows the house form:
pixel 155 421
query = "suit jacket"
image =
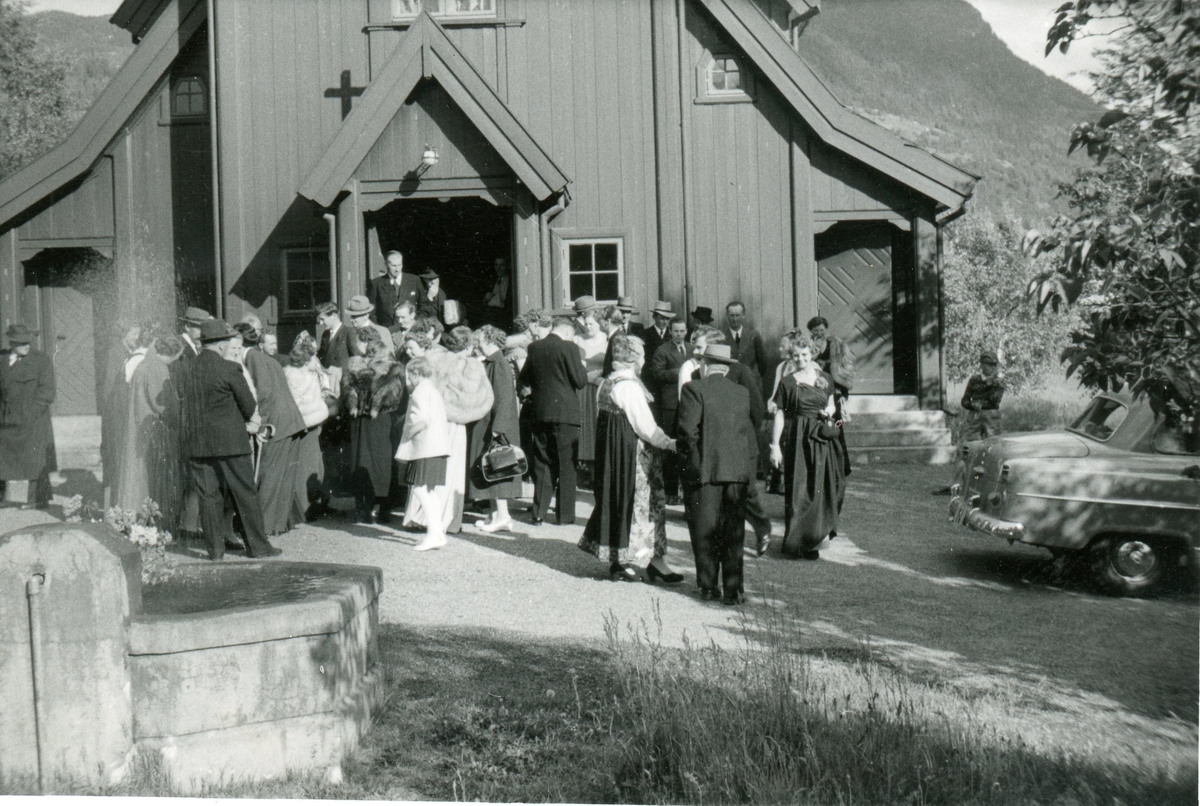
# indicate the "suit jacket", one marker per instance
pixel 385 336
pixel 336 351
pixel 220 409
pixel 554 374
pixel 749 350
pixel 275 401
pixel 385 296
pixel 652 340
pixel 715 435
pixel 664 372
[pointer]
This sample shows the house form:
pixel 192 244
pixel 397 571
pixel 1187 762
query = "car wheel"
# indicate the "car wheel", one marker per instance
pixel 1128 565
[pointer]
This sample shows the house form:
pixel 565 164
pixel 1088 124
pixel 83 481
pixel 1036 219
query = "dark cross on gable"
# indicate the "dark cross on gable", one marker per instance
pixel 346 92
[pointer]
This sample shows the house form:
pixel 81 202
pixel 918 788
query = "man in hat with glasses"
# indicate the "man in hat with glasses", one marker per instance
pixel 718 448
pixel 26 433
pixel 219 447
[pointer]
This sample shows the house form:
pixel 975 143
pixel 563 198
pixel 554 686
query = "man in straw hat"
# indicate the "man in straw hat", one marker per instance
pixel 628 311
pixel 716 443
pixel 662 313
pixel 359 310
pixel 26 435
pixel 219 448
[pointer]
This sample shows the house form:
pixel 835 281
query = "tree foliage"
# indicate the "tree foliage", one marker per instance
pixel 34 111
pixel 984 274
pixel 1131 242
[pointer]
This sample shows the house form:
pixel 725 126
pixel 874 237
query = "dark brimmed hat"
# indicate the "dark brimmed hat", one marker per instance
pixel 216 330
pixel 359 306
pixel 662 308
pixel 989 355
pixel 626 304
pixel 17 333
pixel 719 353
pixel 195 316
pixel 430 274
pixel 703 316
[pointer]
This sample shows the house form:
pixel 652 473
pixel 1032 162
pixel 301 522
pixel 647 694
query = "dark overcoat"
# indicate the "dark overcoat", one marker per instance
pixel 716 435
pixel 220 408
pixel 554 373
pixel 502 419
pixel 385 296
pixel 26 433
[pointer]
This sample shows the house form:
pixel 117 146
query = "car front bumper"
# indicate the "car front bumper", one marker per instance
pixel 962 513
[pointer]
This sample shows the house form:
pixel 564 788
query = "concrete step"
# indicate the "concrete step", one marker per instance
pixel 888 420
pixel 925 454
pixel 876 404
pixel 895 437
pixel 77 442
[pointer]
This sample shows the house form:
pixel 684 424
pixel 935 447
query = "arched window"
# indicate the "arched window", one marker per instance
pixel 189 99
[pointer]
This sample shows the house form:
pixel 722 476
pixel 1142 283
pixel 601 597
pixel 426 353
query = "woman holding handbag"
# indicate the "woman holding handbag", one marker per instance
pixel 498 424
pixel 805 444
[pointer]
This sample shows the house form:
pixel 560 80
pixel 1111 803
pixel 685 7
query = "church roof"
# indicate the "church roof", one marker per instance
pixel 426 52
pixel 833 123
pixel 144 68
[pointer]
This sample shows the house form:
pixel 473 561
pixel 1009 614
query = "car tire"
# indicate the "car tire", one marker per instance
pixel 1129 565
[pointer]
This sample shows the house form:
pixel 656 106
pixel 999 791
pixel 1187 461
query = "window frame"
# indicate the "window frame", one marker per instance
pixel 592 240
pixel 178 82
pixel 397 16
pixel 285 308
pixel 705 94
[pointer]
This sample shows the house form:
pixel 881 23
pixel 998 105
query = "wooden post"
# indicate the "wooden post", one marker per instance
pixel 352 267
pixel 668 160
pixel 804 260
pixel 526 254
pixel 929 305
pixel 12 279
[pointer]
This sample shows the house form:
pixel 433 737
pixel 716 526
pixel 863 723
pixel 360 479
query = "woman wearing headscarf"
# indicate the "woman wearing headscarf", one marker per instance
pixel 372 391
pixel 312 391
pixel 627 528
pixel 500 422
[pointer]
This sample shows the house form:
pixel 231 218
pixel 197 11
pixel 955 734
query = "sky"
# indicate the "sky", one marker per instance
pixel 1020 24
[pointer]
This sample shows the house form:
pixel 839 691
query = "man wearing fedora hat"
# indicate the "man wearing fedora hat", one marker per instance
pixel 192 319
pixel 717 444
pixel 397 286
pixel 628 311
pixel 359 309
pixel 662 313
pixel 219 445
pixel 432 301
pixel 663 374
pixel 26 434
pixel 183 377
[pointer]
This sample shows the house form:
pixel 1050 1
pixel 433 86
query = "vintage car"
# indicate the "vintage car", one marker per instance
pixel 1120 489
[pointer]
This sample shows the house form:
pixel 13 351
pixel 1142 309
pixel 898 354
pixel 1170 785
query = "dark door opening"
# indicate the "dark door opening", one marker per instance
pixel 460 239
pixel 864 288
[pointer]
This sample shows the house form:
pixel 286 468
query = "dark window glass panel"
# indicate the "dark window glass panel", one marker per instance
pixel 606 257
pixel 320 264
pixel 607 286
pixel 580 284
pixel 320 292
pixel 299 267
pixel 581 258
pixel 300 297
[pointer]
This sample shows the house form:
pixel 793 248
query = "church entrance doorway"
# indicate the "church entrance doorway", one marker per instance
pixel 461 239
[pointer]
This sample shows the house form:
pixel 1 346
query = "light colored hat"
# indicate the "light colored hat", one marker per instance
pixel 196 316
pixel 359 306
pixel 719 353
pixel 584 304
pixel 665 309
pixel 626 304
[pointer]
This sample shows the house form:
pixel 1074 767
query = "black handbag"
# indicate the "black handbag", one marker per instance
pixel 828 431
pixel 502 461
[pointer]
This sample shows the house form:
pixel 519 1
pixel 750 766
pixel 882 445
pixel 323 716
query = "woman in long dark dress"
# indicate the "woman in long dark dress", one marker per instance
pixel 627 527
pixel 372 390
pixel 805 444
pixel 500 421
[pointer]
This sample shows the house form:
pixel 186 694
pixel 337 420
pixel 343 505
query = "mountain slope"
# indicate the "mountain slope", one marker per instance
pixel 934 72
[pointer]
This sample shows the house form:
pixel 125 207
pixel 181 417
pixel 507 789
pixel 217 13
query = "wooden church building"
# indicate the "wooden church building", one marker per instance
pixel 263 155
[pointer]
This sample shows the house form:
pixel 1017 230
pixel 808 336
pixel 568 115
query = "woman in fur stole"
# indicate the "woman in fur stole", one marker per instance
pixel 373 395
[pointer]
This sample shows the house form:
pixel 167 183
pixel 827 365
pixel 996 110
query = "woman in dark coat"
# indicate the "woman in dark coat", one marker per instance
pixel 805 444
pixel 501 421
pixel 372 393
pixel 26 434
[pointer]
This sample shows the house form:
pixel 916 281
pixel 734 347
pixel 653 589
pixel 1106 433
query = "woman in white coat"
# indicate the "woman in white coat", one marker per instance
pixel 425 445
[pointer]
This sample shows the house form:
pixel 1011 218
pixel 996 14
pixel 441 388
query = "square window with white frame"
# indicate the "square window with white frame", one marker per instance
pixel 595 266
pixel 306 281
pixel 408 9
pixel 722 78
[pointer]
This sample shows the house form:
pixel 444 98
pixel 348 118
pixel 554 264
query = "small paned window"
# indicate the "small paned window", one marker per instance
pixel 594 267
pixel 407 9
pixel 305 279
pixel 189 98
pixel 720 78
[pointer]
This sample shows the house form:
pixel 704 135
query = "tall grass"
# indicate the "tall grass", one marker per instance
pixel 768 724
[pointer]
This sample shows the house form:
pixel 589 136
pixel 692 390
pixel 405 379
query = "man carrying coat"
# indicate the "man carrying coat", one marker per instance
pixel 219 445
pixel 717 446
pixel 554 374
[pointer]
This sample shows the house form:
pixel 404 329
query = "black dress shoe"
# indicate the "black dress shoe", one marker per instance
pixel 736 598
pixel 233 545
pixel 536 521
pixel 810 554
pixel 654 575
pixel 622 573
pixel 269 551
pixel 710 595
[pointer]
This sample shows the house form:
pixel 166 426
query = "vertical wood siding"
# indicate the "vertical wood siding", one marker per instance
pixel 85 211
pixel 842 184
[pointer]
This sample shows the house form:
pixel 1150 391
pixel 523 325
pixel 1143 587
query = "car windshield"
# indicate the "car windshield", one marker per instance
pixel 1100 419
pixel 1178 437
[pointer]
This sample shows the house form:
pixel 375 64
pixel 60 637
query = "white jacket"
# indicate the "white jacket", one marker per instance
pixel 426 429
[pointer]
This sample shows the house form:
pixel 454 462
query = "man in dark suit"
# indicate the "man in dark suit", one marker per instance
pixel 333 337
pixel 663 313
pixel 745 345
pixel 716 443
pixel 388 291
pixel 183 374
pixel 26 432
pixel 219 445
pixel 664 373
pixel 629 327
pixel 554 374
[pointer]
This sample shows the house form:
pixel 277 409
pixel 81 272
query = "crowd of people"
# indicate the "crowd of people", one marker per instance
pixel 398 411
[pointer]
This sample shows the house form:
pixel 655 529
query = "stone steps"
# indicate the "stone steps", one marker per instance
pixel 895 437
pixel 77 442
pixel 891 428
pixel 926 455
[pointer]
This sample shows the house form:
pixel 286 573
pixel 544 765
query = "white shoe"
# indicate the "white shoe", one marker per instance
pixel 498 526
pixel 431 542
